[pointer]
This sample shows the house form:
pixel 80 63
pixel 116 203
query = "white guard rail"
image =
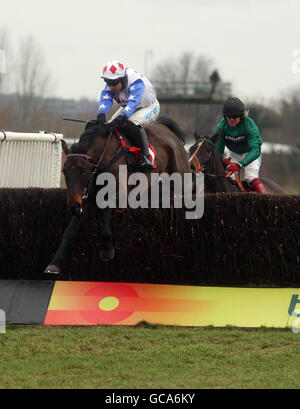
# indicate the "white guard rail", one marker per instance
pixel 30 159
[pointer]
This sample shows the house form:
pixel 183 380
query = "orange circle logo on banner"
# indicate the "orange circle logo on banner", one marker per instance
pixel 109 303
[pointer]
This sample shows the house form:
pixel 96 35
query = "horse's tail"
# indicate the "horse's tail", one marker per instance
pixel 173 126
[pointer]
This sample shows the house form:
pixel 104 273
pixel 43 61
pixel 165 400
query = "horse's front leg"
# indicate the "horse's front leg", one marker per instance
pixel 54 266
pixel 107 251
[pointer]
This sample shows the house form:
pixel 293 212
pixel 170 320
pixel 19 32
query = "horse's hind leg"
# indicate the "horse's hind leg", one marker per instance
pixel 107 251
pixel 53 267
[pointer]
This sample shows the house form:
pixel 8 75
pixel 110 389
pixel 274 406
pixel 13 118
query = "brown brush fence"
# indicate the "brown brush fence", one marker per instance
pixel 242 239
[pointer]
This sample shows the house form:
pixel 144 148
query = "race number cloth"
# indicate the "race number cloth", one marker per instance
pixel 135 150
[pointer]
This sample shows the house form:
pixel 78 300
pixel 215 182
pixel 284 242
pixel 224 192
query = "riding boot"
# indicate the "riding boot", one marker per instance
pixel 145 161
pixel 257 185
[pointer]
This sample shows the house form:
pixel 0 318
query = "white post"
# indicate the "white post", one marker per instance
pixel 30 159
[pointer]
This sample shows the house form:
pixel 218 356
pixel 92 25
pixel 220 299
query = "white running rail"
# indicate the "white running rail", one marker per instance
pixel 30 159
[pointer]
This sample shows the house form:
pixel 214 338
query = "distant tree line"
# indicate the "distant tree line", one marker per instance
pixel 26 103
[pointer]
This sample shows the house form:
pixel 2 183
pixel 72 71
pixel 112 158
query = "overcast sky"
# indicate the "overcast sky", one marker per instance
pixel 251 42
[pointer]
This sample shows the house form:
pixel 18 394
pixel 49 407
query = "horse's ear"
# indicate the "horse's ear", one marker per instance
pixel 215 137
pixel 65 147
pixel 196 135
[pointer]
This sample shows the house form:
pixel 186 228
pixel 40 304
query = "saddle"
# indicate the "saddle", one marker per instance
pixel 133 153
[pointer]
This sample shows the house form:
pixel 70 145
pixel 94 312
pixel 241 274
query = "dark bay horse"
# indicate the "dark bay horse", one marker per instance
pixel 203 157
pixel 100 150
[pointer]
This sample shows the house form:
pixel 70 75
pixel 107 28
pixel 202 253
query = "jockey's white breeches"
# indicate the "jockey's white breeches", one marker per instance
pixel 142 116
pixel 249 172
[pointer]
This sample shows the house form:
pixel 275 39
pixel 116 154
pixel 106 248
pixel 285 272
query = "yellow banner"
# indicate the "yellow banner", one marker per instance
pixel 92 303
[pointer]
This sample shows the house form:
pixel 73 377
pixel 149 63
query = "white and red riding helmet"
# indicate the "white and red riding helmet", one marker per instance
pixel 114 70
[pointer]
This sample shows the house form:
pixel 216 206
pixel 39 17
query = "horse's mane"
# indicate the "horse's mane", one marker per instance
pixel 93 131
pixel 173 126
pixel 87 138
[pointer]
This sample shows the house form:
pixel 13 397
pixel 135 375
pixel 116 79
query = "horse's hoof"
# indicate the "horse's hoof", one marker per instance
pixel 107 255
pixel 52 269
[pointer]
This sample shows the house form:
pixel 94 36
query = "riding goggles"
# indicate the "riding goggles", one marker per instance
pixel 112 83
pixel 232 116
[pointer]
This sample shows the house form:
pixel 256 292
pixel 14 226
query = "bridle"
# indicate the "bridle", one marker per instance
pixel 96 166
pixel 202 168
pixel 194 156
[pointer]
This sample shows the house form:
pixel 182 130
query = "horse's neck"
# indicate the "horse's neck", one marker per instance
pixel 215 166
pixel 104 148
pixel 216 180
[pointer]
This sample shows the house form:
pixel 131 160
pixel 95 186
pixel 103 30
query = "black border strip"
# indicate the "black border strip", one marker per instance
pixel 25 301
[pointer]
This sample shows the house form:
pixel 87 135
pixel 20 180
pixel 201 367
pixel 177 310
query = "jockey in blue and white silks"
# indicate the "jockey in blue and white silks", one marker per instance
pixel 137 98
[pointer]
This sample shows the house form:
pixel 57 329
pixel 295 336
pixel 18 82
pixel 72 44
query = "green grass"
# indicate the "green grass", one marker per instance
pixel 148 357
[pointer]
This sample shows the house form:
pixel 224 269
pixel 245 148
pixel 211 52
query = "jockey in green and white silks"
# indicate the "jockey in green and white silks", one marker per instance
pixel 137 99
pixel 240 135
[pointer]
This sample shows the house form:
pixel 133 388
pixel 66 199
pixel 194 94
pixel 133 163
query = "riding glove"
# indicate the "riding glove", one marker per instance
pixel 119 121
pixel 226 162
pixel 233 167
